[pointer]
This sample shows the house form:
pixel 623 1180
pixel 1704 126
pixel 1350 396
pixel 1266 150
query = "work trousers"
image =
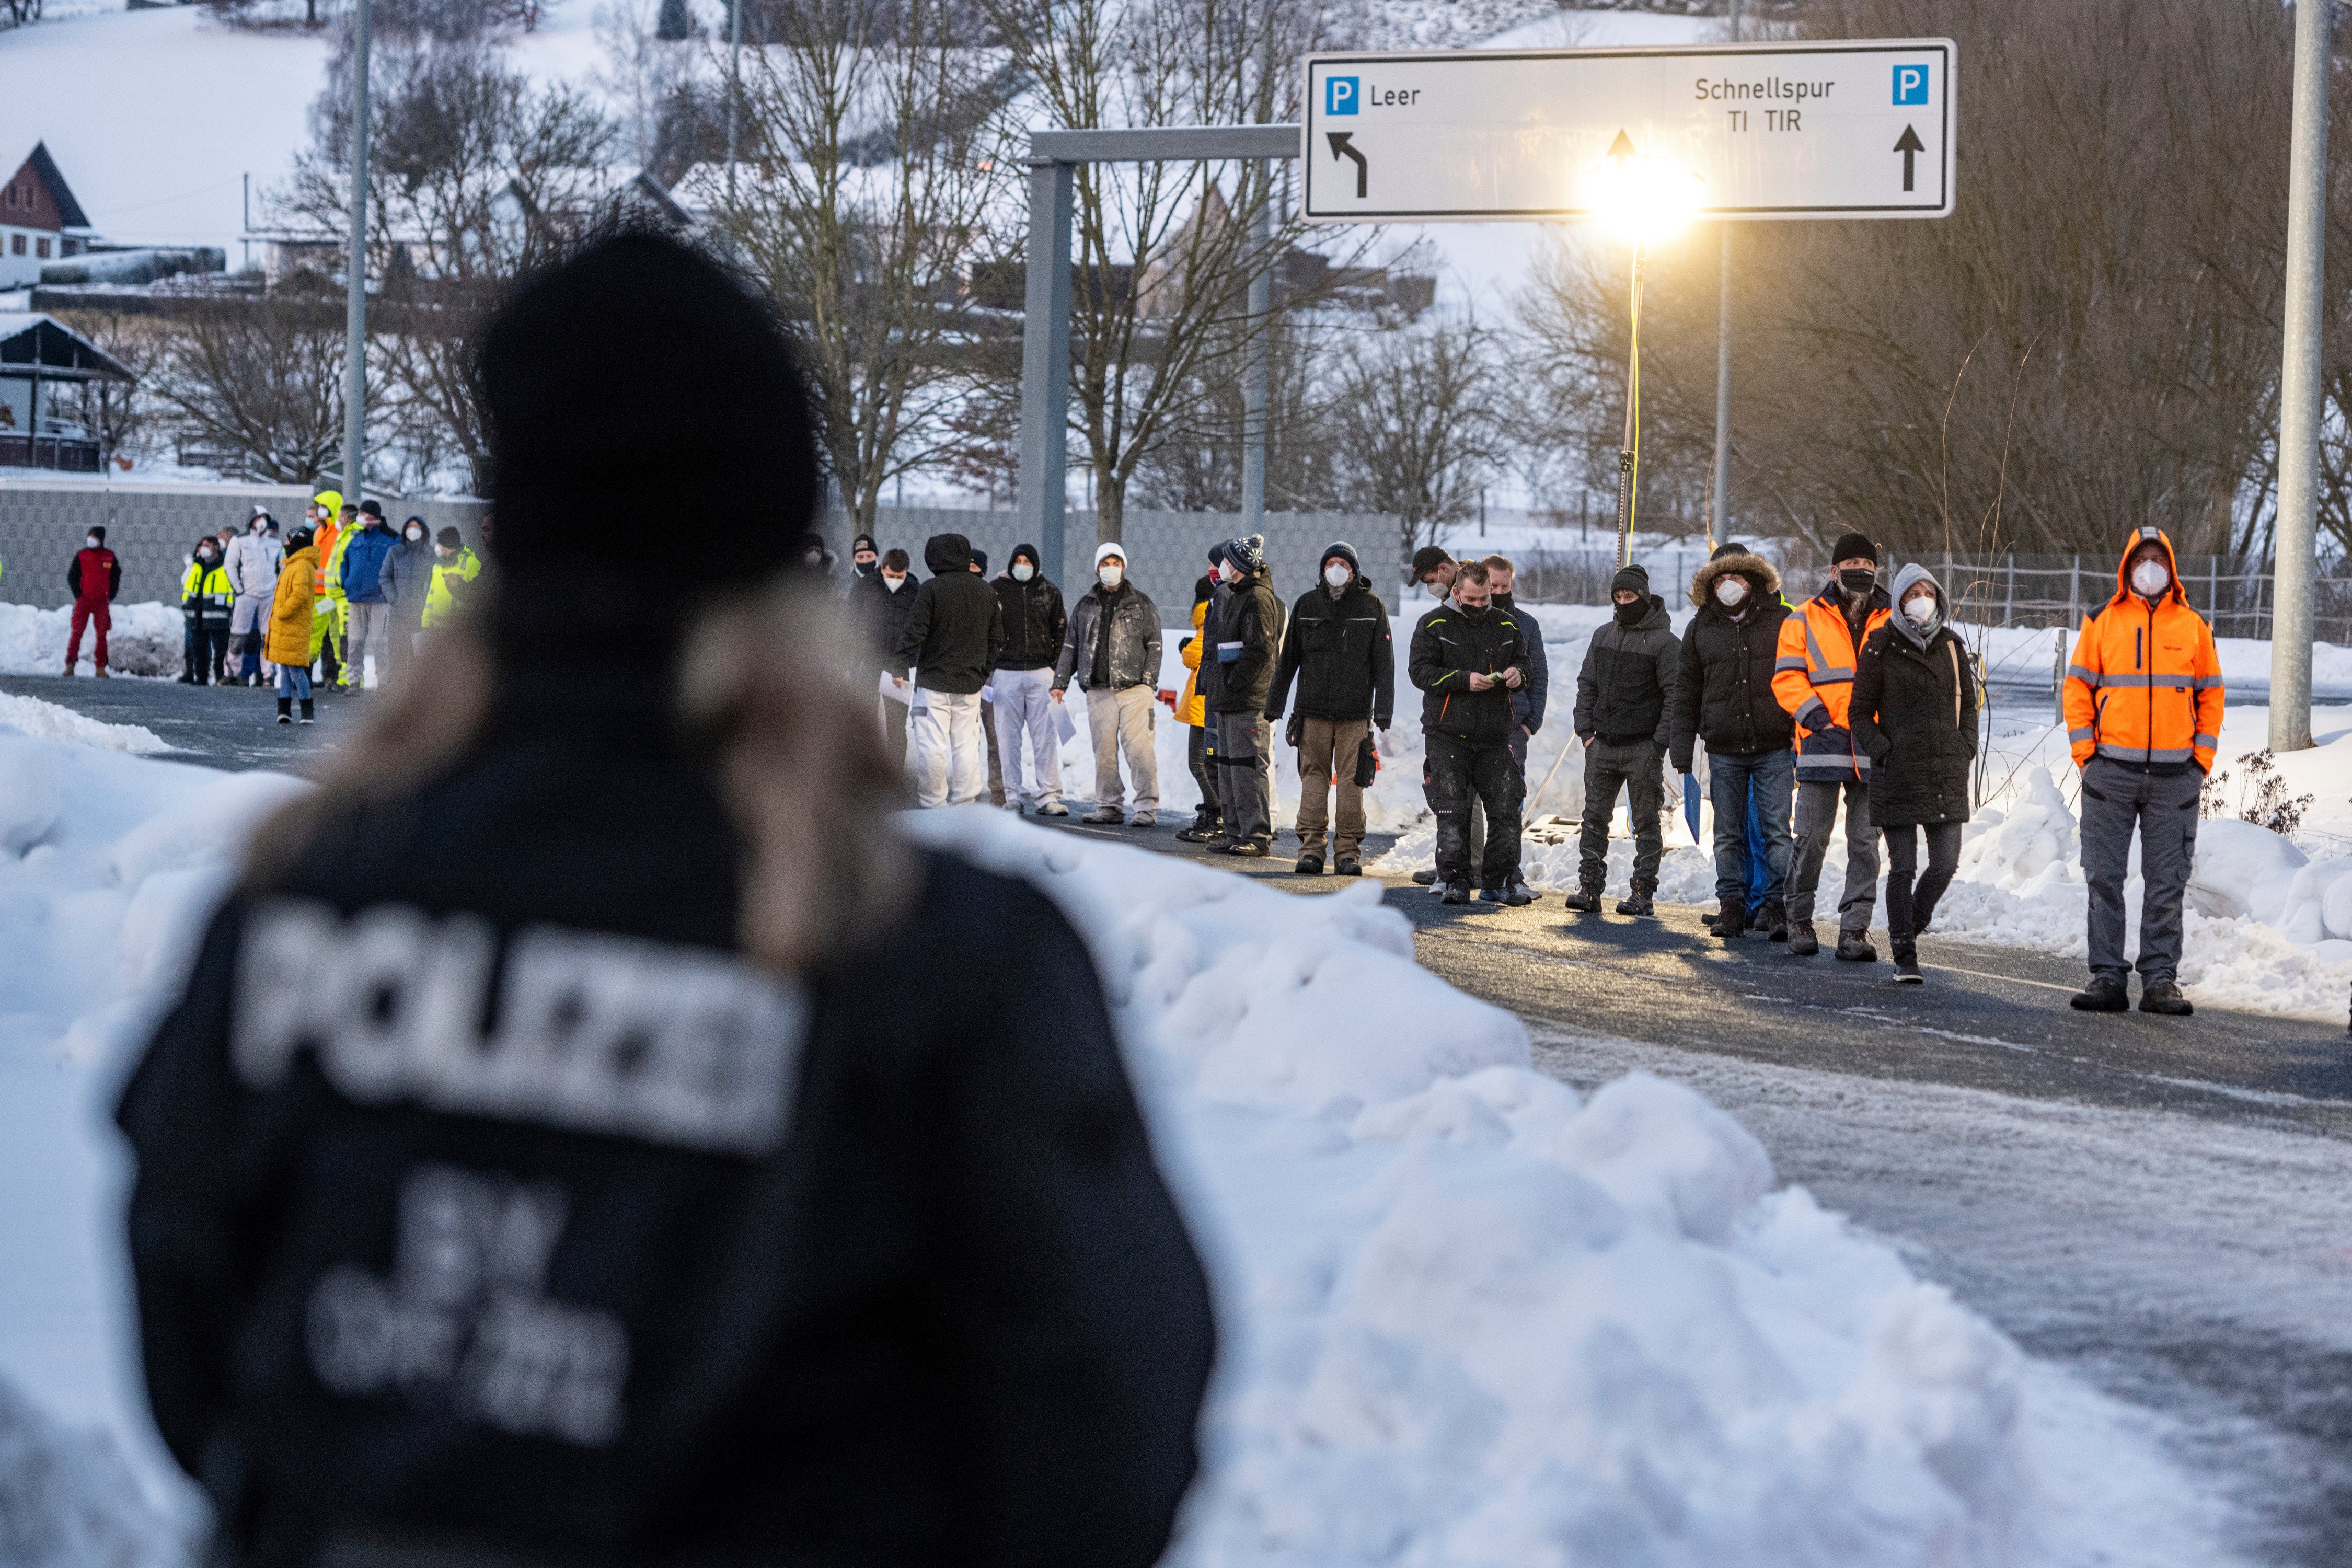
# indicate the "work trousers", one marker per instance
pixel 206 649
pixel 1817 810
pixel 1326 760
pixel 950 758
pixel 1635 765
pixel 1245 776
pixel 1733 783
pixel 1911 903
pixel 98 619
pixel 401 641
pixel 2162 807
pixel 1119 724
pixel 1024 712
pixel 1204 773
pixel 370 633
pixel 1454 774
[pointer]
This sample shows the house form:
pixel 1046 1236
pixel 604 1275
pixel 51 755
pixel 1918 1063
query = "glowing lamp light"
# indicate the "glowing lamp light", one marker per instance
pixel 1642 199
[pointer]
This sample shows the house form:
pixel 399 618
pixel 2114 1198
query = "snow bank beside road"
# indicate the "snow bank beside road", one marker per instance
pixel 145 639
pixel 48 721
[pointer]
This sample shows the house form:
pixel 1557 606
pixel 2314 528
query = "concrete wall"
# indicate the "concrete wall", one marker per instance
pixel 152 526
pixel 1167 550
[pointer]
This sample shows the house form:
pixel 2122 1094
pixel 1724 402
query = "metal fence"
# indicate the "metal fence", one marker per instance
pixel 2046 591
pixel 1580 575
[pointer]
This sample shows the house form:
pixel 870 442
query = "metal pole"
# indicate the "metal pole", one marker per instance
pixel 1720 526
pixel 1625 453
pixel 734 85
pixel 2299 386
pixel 1261 299
pixel 355 313
pixel 1045 364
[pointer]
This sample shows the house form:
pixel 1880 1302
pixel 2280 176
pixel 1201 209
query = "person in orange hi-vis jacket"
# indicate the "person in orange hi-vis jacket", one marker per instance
pixel 2143 715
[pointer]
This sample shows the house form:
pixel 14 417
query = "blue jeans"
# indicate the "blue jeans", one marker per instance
pixel 1767 781
pixel 294 681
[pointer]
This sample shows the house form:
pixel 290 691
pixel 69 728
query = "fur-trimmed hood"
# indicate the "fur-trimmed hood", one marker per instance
pixel 1762 575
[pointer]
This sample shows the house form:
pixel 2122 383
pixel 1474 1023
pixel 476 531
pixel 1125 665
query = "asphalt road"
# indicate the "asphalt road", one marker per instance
pixel 234 728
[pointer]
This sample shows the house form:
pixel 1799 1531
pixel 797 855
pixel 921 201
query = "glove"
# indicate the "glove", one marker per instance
pixel 1368 763
pixel 1295 731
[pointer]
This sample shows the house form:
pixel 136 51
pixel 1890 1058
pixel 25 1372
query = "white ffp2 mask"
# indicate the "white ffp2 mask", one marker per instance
pixel 2149 578
pixel 1921 610
pixel 1731 590
pixel 1111 576
pixel 1337 573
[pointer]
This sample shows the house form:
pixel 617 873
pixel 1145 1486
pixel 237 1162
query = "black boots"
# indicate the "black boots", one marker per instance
pixel 1802 942
pixel 1731 920
pixel 2104 994
pixel 1906 963
pixel 2165 997
pixel 1585 901
pixel 1636 903
pixel 308 717
pixel 1853 946
pixel 1309 865
pixel 286 710
pixel 1773 920
pixel 1457 892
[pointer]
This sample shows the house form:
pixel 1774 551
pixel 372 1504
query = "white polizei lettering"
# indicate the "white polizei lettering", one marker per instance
pixel 601 1033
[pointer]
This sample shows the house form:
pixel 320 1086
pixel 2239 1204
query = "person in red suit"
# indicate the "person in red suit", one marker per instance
pixel 93 579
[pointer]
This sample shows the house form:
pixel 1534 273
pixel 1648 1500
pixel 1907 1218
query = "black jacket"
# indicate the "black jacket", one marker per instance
pixel 1134 639
pixel 1913 714
pixel 1034 621
pixel 1248 641
pixel 1527 703
pixel 1723 685
pixel 1450 644
pixel 907 1290
pixel 879 618
pixel 1627 681
pixel 956 627
pixel 1339 649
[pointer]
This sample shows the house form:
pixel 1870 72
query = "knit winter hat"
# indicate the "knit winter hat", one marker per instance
pixel 451 537
pixel 1428 559
pixel 863 542
pixel 1637 578
pixel 1853 546
pixel 98 532
pixel 1248 555
pixel 980 561
pixel 1216 555
pixel 1340 550
pixel 1728 547
pixel 1108 551
pixel 373 509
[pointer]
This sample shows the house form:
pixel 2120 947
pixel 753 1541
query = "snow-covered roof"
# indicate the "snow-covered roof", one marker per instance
pixel 32 343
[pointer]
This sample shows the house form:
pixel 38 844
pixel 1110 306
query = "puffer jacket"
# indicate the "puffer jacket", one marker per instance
pixel 2144 686
pixel 1248 642
pixel 1134 629
pixel 1449 645
pixel 289 640
pixel 1913 714
pixel 955 628
pixel 1190 709
pixel 1813 677
pixel 1626 684
pixel 1339 647
pixel 363 570
pixel 1723 680
pixel 406 579
pixel 1034 623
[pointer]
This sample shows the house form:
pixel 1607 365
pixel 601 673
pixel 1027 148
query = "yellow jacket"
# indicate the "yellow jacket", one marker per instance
pixel 449 577
pixel 289 641
pixel 1191 707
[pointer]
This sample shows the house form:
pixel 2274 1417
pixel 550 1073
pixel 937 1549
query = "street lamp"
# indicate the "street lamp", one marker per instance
pixel 1645 200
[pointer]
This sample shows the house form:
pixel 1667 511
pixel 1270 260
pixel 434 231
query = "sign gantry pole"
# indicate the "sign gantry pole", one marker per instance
pixel 2294 560
pixel 1719 522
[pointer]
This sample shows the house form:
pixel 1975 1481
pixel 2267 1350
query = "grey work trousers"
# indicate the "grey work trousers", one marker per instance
pixel 1120 723
pixel 1817 810
pixel 1636 765
pixel 2162 807
pixel 1245 776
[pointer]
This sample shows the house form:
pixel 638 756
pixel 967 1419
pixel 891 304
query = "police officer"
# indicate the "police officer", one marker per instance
pixel 533 1172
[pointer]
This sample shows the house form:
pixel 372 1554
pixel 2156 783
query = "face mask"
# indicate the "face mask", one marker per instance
pixel 1437 589
pixel 1731 591
pixel 1477 614
pixel 1338 574
pixel 893 584
pixel 205 556
pixel 1023 573
pixel 415 536
pixel 1630 615
pixel 1112 576
pixel 92 542
pixel 814 557
pixel 1857 582
pixel 2149 578
pixel 1922 610
pixel 443 551
pixel 1230 573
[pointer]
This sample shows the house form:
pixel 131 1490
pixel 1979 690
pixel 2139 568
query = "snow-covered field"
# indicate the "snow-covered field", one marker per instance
pixel 1471 1316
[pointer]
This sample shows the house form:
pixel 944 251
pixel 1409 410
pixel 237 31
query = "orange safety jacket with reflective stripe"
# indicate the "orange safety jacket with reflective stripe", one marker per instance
pixel 2144 686
pixel 1812 679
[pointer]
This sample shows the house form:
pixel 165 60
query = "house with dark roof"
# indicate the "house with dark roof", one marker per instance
pixel 40 222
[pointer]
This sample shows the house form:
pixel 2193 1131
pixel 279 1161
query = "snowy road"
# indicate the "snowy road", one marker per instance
pixel 222 727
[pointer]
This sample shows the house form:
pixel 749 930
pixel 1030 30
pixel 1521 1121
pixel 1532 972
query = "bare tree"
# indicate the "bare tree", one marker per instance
pixel 1418 426
pixel 258 377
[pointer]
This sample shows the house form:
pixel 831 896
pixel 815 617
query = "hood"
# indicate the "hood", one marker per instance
pixel 1656 620
pixel 1911 574
pixel 1034 560
pixel 2123 578
pixel 1760 573
pixel 946 552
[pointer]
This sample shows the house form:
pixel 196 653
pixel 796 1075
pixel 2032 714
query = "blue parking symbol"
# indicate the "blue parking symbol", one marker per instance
pixel 1338 95
pixel 1911 84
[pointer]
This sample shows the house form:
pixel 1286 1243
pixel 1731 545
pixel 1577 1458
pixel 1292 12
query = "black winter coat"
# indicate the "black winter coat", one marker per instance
pixel 1033 621
pixel 1449 645
pixel 1248 642
pixel 1915 716
pixel 1723 683
pixel 1339 649
pixel 879 617
pixel 693 1269
pixel 1527 703
pixel 1626 685
pixel 956 629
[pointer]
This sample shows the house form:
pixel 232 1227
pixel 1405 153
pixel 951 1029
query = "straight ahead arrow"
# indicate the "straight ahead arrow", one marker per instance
pixel 1910 146
pixel 1342 147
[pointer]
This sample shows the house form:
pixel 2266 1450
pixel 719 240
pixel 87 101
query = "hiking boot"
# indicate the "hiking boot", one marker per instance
pixel 1216 844
pixel 1709 918
pixel 1309 865
pixel 1105 816
pixel 1853 946
pixel 2165 997
pixel 1424 878
pixel 1144 819
pixel 1731 921
pixel 1517 894
pixel 1457 892
pixel 1773 920
pixel 1250 850
pixel 1636 904
pixel 2104 994
pixel 1490 895
pixel 1348 866
pixel 1585 901
pixel 1053 808
pixel 1906 964
pixel 1802 941
pixel 68 672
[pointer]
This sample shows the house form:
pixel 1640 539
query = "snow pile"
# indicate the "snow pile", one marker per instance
pixel 48 721
pixel 1471 1318
pixel 67 1501
pixel 146 639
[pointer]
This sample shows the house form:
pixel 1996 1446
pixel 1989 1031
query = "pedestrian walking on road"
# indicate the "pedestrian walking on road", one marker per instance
pixel 954 631
pixel 1111 648
pixel 363 581
pixel 94 576
pixel 2144 698
pixel 1248 641
pixel 1466 659
pixel 1814 681
pixel 1192 710
pixel 590 1132
pixel 1624 696
pixel 288 645
pixel 406 579
pixel 1723 695
pixel 1913 714
pixel 1034 627
pixel 206 601
pixel 1339 648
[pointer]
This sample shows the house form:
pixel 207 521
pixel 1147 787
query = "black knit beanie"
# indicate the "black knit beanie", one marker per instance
pixel 1854 547
pixel 1634 577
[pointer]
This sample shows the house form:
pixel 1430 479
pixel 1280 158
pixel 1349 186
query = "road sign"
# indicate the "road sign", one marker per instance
pixel 1861 130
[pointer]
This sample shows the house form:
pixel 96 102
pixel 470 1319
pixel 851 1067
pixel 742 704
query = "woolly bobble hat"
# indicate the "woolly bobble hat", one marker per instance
pixel 1852 547
pixel 1247 554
